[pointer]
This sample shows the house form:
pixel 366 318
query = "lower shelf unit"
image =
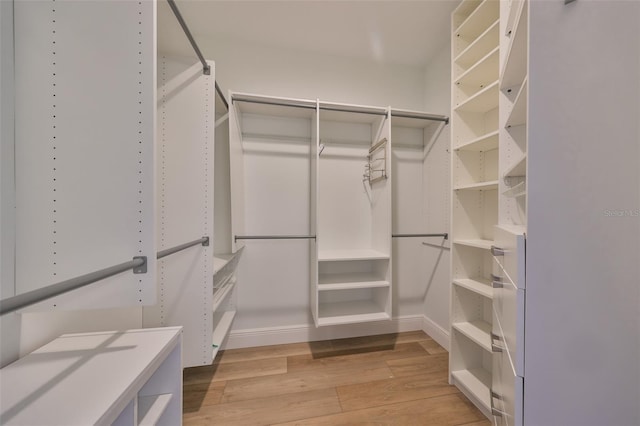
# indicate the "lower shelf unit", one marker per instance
pixel 123 378
pixel 475 383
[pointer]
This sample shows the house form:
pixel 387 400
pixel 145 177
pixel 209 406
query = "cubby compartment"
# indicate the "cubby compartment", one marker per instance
pixel 475 213
pixel 339 275
pixel 474 167
pixel 353 305
pixel 471 316
pixel 471 370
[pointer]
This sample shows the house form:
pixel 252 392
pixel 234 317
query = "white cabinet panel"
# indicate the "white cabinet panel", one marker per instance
pixel 511 240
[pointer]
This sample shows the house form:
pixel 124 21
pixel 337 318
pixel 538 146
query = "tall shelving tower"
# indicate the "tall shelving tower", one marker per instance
pixel 474 174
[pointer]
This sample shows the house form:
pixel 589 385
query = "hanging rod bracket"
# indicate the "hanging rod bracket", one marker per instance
pixel 205 241
pixel 142 268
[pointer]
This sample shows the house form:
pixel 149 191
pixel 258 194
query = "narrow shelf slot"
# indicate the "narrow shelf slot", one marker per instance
pixel 151 408
pixel 220 330
pixel 483 101
pixel 477 331
pixel 477 243
pixel 483 72
pixel 464 9
pixel 347 255
pixel 518 169
pixel 480 186
pixel 480 47
pixel 518 114
pixel 343 281
pixel 348 312
pixel 514 69
pixel 515 10
pixel 476 23
pixel 479 286
pixel 477 382
pixel 483 143
pixel 518 190
pixel 223 292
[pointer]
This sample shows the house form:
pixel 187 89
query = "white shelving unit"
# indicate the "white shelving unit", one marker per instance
pixel 134 377
pixel 353 282
pixel 475 154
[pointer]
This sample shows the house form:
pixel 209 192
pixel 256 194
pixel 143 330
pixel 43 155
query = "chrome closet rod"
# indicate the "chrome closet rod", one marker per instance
pixel 274 237
pixel 263 102
pixel 14 303
pixel 206 69
pixel 444 235
pixel 204 241
pixel 432 117
pixel 224 100
pixel 357 111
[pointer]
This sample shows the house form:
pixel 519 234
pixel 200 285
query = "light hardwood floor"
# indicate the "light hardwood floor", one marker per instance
pixel 392 379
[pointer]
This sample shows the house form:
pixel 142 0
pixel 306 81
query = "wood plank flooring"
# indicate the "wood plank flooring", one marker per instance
pixel 392 379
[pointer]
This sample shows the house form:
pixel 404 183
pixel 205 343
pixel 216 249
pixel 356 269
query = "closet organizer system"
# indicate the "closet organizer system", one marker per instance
pixel 343 205
pixel 105 172
pixel 489 162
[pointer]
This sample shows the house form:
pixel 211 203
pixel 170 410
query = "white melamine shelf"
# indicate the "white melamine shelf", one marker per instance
pixel 477 382
pixel 518 190
pixel 221 294
pixel 221 330
pixel 477 331
pixel 346 255
pixel 477 243
pixel 519 168
pixel 514 68
pixel 483 72
pixel 479 286
pixel 483 101
pixel 350 281
pixel 480 186
pixel 515 9
pixel 518 114
pixel 476 23
pixel 486 42
pixel 465 8
pixel 483 143
pixel 151 408
pixel 50 385
pixel 220 261
pixel 350 312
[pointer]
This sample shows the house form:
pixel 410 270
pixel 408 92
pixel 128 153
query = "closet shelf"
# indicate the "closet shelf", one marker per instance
pixel 477 382
pixel 151 408
pixel 475 24
pixel 221 330
pixel 515 10
pixel 483 101
pixel 518 169
pixel 464 9
pixel 477 331
pixel 350 312
pixel 514 69
pixel 480 186
pixel 518 114
pixel 477 243
pixel 516 191
pixel 347 255
pixel 483 143
pixel 482 72
pixel 480 47
pixel 344 281
pixel 479 286
pixel 221 293
pixel 219 261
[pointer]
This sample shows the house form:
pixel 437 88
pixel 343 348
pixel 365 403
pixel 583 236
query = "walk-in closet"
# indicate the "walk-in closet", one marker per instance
pixel 321 213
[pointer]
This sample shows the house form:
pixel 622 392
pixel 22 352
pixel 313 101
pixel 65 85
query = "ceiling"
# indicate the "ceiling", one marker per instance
pixel 390 32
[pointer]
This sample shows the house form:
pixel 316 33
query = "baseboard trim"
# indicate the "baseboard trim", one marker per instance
pixel 308 333
pixel 436 332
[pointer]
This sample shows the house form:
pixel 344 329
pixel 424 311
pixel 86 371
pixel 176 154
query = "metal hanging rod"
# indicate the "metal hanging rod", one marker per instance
pixel 224 100
pixel 206 69
pixel 14 303
pixel 204 241
pixel 138 265
pixel 419 116
pixel 444 235
pixel 276 103
pixel 354 110
pixel 274 237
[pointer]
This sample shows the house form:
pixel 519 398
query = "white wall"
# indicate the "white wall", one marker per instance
pixel 246 67
pixel 437 195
